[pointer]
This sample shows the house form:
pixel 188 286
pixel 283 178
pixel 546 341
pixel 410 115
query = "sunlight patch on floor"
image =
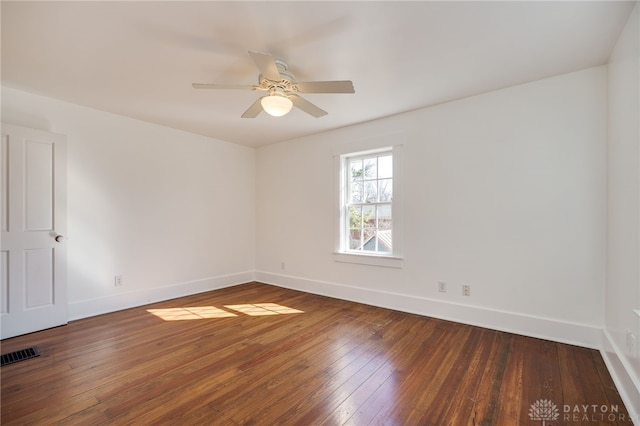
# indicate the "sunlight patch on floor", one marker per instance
pixel 260 309
pixel 207 312
pixel 191 313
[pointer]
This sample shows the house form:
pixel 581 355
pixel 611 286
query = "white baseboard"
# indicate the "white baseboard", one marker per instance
pixel 117 302
pixel 620 370
pixel 511 322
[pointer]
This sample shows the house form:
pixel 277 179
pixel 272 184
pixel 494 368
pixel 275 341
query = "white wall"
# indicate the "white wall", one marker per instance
pixel 623 225
pixel 172 212
pixel 505 191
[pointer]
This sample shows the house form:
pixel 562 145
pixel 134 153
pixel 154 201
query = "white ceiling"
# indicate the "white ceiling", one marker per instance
pixel 139 59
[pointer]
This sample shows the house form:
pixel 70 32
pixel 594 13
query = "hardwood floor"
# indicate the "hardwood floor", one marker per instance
pixel 333 363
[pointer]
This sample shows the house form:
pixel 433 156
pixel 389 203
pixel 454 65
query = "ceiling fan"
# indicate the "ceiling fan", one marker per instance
pixel 282 88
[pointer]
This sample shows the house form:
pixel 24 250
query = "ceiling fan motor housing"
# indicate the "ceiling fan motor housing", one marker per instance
pixel 287 82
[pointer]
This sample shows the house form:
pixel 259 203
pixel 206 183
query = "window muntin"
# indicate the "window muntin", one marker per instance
pixel 368 203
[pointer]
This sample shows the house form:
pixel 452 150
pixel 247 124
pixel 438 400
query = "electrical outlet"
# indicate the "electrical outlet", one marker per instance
pixel 282 265
pixel 117 280
pixel 442 286
pixel 466 290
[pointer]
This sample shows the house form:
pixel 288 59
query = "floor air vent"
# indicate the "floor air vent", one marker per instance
pixel 20 355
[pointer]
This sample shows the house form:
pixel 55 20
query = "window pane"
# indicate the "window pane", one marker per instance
pixel 370 191
pixel 355 217
pixel 369 216
pixel 370 168
pixel 355 227
pixel 385 189
pixel 356 169
pixel 357 190
pixel 385 167
pixel 384 241
pixel 355 241
pixel 369 240
pixel 384 216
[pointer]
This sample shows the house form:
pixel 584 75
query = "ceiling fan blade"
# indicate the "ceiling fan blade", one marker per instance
pixel 307 106
pixel 253 110
pixel 267 65
pixel 225 86
pixel 344 86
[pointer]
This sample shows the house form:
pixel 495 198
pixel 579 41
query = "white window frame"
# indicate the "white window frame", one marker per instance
pixel 341 251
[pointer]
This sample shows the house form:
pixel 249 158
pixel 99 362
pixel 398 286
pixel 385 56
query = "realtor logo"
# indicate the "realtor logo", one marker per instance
pixel 545 410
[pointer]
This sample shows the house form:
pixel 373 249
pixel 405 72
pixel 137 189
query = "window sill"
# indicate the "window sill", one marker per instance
pixel 369 259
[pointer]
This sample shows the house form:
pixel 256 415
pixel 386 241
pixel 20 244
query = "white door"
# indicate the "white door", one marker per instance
pixel 33 214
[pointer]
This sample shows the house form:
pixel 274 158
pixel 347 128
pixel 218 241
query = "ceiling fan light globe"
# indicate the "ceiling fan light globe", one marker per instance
pixel 276 105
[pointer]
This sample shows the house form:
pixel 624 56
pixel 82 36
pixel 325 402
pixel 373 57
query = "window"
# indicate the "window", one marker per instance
pixel 368 203
pixel 368 191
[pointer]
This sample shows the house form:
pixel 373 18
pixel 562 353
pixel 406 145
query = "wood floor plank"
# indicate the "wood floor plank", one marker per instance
pixel 471 363
pixel 256 354
pixel 487 395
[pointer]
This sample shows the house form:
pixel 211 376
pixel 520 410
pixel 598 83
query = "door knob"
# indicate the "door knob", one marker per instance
pixel 59 238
